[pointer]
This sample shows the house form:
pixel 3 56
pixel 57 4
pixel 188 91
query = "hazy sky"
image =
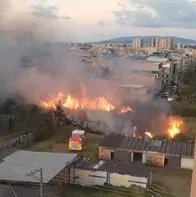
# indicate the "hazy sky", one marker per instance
pixel 102 19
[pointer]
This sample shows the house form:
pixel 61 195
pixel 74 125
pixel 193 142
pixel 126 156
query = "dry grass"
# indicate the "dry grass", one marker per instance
pixel 59 143
pixel 178 183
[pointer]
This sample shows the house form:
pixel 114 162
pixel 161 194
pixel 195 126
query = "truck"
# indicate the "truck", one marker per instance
pixel 77 140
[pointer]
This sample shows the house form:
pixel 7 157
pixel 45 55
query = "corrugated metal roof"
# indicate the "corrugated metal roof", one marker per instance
pixel 130 169
pixel 185 149
pixel 18 165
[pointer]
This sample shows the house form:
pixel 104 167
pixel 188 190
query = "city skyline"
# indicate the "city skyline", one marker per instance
pixel 87 20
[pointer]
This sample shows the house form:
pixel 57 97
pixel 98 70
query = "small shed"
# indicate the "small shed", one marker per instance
pixel 160 153
pixel 127 175
pixel 87 172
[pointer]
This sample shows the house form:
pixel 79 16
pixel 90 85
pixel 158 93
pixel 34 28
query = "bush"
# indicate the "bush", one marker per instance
pixel 183 109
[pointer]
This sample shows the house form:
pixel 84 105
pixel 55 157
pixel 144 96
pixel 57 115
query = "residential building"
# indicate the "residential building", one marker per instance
pixel 153 42
pixel 138 43
pixel 165 44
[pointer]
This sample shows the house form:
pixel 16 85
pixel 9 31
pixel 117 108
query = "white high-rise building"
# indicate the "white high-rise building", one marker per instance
pixel 137 43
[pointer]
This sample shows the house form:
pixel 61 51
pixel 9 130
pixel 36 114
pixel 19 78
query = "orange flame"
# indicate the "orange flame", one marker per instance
pixel 83 103
pixel 51 104
pixel 125 110
pixel 147 133
pixel 175 126
pixel 69 102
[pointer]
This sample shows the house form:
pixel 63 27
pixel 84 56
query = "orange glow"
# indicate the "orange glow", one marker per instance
pixel 175 126
pixel 149 134
pixel 125 110
pixel 84 103
pixel 51 104
pixel 70 102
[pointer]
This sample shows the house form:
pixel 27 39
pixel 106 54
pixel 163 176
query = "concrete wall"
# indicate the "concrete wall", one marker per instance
pixel 187 163
pixel 104 153
pixel 155 159
pixel 127 180
pixel 89 178
pixel 193 188
pixel 173 162
pixel 144 158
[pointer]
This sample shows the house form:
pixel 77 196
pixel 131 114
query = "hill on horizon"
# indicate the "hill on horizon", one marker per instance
pixel 129 39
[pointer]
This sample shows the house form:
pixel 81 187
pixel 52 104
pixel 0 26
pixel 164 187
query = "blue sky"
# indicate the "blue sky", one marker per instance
pixel 98 20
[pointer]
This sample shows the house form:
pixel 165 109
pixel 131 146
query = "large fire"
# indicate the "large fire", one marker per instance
pixel 99 103
pixel 84 103
pixel 149 134
pixel 175 127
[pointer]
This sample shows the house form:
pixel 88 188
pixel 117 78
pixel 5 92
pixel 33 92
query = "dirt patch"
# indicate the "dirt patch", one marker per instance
pixel 178 183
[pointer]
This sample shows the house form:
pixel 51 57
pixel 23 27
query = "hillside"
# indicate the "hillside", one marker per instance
pixel 180 40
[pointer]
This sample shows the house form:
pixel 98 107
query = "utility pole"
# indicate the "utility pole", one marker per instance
pixel 40 179
pixel 41 182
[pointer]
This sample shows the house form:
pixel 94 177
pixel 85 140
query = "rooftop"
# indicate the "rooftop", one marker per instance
pixel 18 166
pixel 113 166
pixel 178 148
pixel 130 169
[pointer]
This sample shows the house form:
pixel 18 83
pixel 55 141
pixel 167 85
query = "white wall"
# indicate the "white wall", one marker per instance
pixel 187 163
pixel 144 158
pixel 88 177
pixel 127 181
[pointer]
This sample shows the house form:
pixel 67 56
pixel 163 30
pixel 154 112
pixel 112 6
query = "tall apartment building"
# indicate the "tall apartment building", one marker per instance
pixel 153 42
pixel 137 43
pixel 165 44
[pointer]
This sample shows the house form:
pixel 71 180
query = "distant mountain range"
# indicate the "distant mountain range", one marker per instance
pixel 184 41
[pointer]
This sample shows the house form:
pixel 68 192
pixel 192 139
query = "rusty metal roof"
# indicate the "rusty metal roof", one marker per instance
pixel 178 148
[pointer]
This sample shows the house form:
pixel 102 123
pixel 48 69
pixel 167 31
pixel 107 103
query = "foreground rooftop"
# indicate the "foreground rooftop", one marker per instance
pixel 17 166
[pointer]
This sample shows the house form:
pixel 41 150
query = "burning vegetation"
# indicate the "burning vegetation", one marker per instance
pixel 84 103
pixel 172 126
pixel 175 126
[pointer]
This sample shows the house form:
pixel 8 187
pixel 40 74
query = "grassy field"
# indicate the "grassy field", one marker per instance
pixel 177 183
pixel 80 191
pixel 59 143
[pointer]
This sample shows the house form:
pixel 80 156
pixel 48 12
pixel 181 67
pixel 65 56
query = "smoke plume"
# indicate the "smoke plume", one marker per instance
pixel 36 69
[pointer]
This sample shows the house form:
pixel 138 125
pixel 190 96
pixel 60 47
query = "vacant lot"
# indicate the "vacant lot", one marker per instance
pixel 178 183
pixel 59 143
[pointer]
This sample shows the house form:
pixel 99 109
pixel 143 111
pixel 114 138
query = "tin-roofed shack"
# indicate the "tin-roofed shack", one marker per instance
pixel 163 153
pixel 88 172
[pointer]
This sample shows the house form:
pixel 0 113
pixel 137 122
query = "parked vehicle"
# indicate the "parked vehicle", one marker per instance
pixel 77 140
